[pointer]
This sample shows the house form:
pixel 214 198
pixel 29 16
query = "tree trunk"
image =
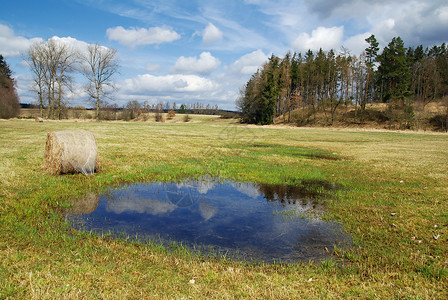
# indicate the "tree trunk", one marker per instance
pixel 41 105
pixel 97 104
pixel 60 99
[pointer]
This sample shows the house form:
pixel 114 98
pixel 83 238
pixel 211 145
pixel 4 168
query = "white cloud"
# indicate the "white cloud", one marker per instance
pixel 249 64
pixel 71 43
pixel 357 43
pixel 141 36
pixel 211 34
pixel 12 45
pixel 206 64
pixel 385 31
pixel 442 14
pixel 321 37
pixel 150 84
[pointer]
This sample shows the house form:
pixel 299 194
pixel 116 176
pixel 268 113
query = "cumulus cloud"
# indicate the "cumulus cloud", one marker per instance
pixel 357 44
pixel 150 84
pixel 205 65
pixel 71 43
pixel 416 23
pixel 12 45
pixel 141 36
pixel 321 37
pixel 249 64
pixel 211 34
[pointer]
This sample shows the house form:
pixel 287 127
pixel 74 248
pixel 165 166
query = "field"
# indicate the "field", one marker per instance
pixel 393 201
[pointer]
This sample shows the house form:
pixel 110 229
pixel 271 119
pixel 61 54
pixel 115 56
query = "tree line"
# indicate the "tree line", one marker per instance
pixel 301 86
pixel 134 109
pixel 53 65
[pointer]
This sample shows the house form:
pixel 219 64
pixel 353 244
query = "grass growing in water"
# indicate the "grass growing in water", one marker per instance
pixel 394 193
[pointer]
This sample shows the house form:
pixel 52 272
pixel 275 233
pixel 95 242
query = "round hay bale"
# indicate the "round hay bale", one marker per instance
pixel 71 151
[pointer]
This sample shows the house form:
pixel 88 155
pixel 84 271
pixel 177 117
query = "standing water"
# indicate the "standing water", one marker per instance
pixel 240 220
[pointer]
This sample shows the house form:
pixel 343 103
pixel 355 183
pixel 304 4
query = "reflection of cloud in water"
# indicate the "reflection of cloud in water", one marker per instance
pixel 247 189
pixel 140 205
pixel 207 210
pixel 202 186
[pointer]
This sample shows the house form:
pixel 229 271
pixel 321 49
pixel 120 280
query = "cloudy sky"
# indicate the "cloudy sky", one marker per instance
pixel 205 50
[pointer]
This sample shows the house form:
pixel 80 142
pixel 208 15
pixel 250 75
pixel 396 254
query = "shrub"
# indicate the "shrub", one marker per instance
pixel 171 114
pixel 187 118
pixel 158 117
pixel 159 113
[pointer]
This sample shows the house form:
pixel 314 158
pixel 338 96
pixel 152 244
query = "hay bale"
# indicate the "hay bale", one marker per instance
pixel 71 151
pixel 39 119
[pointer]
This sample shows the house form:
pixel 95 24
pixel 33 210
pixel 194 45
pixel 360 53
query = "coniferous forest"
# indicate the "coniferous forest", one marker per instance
pixel 300 87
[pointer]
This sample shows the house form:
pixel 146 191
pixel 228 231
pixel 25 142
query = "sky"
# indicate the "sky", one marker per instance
pixel 206 50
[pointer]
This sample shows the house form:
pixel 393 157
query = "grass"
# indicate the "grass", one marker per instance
pixel 394 193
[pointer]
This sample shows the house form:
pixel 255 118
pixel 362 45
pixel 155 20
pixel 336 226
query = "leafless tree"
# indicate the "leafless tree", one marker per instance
pixel 99 66
pixel 36 61
pixel 52 63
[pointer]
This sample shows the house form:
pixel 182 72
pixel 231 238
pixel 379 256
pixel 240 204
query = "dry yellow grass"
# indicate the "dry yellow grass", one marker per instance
pixel 382 172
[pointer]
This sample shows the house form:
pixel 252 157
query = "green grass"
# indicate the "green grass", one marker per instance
pixel 393 191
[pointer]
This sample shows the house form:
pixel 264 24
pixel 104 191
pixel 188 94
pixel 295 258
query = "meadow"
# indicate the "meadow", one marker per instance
pixel 393 201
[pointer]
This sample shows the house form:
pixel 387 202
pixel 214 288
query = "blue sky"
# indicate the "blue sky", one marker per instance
pixel 205 51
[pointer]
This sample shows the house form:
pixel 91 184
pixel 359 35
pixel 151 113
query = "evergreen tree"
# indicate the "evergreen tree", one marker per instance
pixel 371 55
pixel 182 109
pixel 4 69
pixel 9 101
pixel 266 108
pixel 394 73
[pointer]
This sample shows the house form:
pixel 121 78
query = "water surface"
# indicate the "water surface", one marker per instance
pixel 240 220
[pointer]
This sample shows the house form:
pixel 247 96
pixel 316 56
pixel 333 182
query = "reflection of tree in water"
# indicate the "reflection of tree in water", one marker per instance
pixel 290 194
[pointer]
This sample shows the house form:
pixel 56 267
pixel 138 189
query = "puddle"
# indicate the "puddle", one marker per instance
pixel 239 220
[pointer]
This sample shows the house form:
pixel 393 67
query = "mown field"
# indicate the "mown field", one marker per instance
pixel 393 202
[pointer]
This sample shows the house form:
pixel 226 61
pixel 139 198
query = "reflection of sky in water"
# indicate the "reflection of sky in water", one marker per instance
pixel 259 222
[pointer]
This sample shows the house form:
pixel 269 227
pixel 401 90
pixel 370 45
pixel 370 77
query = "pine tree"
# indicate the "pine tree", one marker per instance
pixel 371 54
pixel 4 69
pixel 9 101
pixel 266 109
pixel 394 72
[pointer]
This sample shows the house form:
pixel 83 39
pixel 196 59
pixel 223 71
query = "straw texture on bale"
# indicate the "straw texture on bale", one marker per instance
pixel 71 151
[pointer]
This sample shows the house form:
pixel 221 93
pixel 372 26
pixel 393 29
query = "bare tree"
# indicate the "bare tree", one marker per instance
pixel 100 65
pixel 36 61
pixel 51 63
